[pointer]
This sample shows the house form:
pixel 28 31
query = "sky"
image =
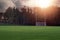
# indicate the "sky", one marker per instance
pixel 4 4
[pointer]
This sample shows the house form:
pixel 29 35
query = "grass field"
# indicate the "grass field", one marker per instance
pixel 29 33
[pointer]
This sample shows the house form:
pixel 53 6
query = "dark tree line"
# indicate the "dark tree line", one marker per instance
pixel 14 16
pixel 28 17
pixel 54 20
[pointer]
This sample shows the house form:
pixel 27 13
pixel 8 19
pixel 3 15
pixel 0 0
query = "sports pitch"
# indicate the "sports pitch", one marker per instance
pixel 29 33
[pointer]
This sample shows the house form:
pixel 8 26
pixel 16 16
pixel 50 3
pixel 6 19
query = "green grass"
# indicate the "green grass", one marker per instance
pixel 29 33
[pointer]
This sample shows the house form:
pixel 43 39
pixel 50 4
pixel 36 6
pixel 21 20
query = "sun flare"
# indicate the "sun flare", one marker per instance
pixel 44 3
pixel 39 3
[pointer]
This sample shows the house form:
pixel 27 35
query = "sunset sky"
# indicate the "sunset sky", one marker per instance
pixel 4 4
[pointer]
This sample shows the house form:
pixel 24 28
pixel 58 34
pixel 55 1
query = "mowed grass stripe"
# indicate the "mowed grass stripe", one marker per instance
pixel 29 33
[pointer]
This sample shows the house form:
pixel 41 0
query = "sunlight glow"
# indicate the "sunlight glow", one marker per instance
pixel 39 3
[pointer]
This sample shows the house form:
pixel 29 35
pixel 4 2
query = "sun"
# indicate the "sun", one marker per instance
pixel 44 3
pixel 39 3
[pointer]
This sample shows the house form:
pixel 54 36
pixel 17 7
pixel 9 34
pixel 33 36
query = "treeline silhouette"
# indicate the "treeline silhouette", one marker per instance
pixel 55 18
pixel 29 16
pixel 15 16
